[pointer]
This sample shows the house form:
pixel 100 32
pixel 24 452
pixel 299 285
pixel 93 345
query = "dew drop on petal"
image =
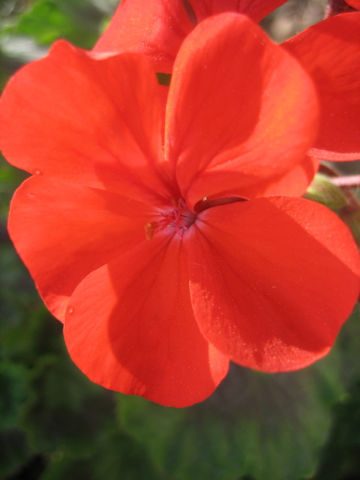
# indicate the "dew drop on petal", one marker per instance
pixel 37 172
pixel 70 310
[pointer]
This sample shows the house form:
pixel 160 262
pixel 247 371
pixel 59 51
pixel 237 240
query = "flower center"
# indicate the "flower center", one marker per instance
pixel 174 220
pixel 177 219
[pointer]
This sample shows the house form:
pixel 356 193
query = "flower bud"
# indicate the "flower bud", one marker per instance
pixel 322 190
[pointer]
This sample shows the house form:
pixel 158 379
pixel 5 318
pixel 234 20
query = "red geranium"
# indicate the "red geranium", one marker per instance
pixel 157 27
pixel 329 51
pixel 354 3
pixel 134 224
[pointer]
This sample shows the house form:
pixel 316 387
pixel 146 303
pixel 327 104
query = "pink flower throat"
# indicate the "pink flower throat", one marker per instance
pixel 179 218
pixel 174 220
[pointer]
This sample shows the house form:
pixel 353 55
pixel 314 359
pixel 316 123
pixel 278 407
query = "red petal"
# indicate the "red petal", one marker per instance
pixel 295 182
pixel 157 27
pixel 255 9
pixel 240 113
pixel 354 3
pixel 272 280
pixel 85 119
pixel 153 27
pixel 330 52
pixel 130 328
pixel 63 232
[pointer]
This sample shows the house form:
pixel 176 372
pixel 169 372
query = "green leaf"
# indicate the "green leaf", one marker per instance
pixel 13 451
pixel 114 455
pixel 27 330
pixel 341 454
pixel 120 456
pixel 64 466
pixel 10 178
pixel 65 410
pixel 263 426
pixel 48 20
pixel 13 388
pixel 352 220
pixel 322 190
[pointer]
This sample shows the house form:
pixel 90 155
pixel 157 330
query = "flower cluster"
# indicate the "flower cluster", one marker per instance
pixel 164 225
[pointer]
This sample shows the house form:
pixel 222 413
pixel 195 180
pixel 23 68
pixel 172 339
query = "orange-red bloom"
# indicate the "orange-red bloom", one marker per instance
pixel 157 27
pixel 329 51
pixel 354 3
pixel 134 224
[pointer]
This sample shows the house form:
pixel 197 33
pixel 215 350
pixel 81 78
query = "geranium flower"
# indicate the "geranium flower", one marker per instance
pixel 341 6
pixel 157 27
pixel 143 223
pixel 329 51
pixel 354 3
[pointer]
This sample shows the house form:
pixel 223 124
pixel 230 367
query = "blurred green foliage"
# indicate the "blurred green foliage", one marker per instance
pixel 266 426
pixel 46 20
pixel 55 424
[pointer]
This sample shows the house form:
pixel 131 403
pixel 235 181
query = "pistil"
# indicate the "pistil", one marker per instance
pixel 174 220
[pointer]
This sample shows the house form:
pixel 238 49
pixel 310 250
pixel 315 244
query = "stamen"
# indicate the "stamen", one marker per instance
pixel 177 219
pixel 150 229
pixel 190 11
pixel 207 202
pixel 174 220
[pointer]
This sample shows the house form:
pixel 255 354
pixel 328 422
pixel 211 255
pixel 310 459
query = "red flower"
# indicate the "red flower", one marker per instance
pixel 139 240
pixel 157 27
pixel 354 3
pixel 329 51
